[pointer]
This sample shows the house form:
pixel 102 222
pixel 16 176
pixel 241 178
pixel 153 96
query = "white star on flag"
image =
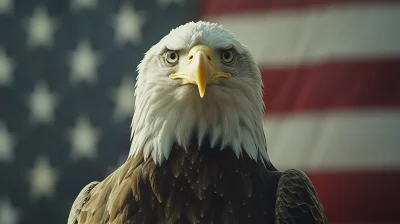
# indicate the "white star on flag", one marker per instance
pixel 43 179
pixel 8 213
pixel 7 141
pixel 40 28
pixel 83 4
pixel 128 24
pixel 6 6
pixel 124 98
pixel 6 68
pixel 84 138
pixel 84 63
pixel 42 104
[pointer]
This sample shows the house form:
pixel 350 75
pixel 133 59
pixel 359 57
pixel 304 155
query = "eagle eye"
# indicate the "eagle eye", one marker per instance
pixel 171 57
pixel 227 56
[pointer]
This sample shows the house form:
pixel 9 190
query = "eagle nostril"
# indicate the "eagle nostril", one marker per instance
pixel 190 57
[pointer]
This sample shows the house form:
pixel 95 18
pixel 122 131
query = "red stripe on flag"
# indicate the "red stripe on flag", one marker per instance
pixel 212 7
pixel 333 85
pixel 359 196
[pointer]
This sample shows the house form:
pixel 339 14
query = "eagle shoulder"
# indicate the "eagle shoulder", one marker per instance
pixel 114 199
pixel 80 200
pixel 297 200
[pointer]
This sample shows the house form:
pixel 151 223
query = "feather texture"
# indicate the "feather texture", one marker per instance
pixel 80 200
pixel 297 200
pixel 195 186
pixel 166 111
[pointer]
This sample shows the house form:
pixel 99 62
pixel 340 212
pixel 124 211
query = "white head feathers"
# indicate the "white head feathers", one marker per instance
pixel 166 112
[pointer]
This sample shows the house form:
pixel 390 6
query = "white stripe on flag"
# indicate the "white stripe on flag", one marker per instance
pixel 315 34
pixel 337 140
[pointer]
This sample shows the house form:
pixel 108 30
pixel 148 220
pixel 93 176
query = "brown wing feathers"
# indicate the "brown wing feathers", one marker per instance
pixel 80 200
pixel 297 200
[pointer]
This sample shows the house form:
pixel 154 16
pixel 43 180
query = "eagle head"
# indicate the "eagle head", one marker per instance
pixel 198 81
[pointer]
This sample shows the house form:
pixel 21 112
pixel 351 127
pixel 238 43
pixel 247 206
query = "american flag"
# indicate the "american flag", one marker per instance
pixel 331 71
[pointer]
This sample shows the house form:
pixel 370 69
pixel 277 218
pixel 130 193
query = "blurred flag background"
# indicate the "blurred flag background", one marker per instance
pixel 331 72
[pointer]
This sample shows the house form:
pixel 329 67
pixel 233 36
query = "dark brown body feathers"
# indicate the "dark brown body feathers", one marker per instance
pixel 198 186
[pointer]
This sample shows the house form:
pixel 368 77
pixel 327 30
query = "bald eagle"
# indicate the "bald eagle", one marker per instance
pixel 198 151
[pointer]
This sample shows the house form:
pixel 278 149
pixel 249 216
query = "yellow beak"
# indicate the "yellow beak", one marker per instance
pixel 200 70
pixel 200 67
